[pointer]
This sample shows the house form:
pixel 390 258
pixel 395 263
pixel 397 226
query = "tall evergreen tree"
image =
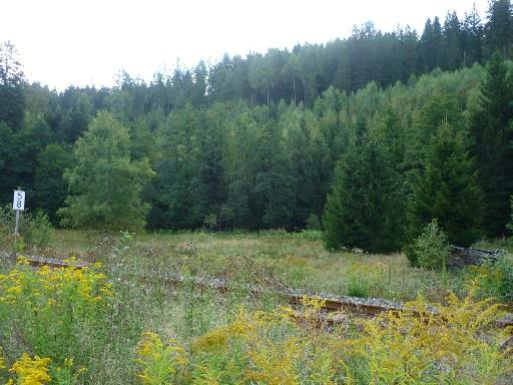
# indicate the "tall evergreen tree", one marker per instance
pixel 364 209
pixel 243 208
pixel 274 181
pixel 452 35
pixel 499 28
pixel 182 198
pixel 446 189
pixel 12 80
pixel 427 47
pixel 472 38
pixel 492 132
pixel 49 184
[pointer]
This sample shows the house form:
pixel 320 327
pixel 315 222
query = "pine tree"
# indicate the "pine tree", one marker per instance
pixel 12 80
pixel 105 184
pixel 364 209
pixel 49 184
pixel 274 182
pixel 182 193
pixel 499 28
pixel 452 41
pixel 427 47
pixel 439 57
pixel 243 207
pixel 472 38
pixel 492 131
pixel 447 190
pixel 390 133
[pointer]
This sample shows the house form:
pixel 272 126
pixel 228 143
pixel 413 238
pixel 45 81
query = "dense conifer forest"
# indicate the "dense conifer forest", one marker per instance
pixel 370 137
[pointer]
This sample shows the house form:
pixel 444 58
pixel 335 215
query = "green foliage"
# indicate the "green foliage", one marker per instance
pixel 447 189
pixel 49 184
pixel 105 184
pixel 46 311
pixel 12 79
pixel 254 141
pixel 358 281
pixel 492 133
pixel 313 223
pixel 35 229
pixel 431 249
pixel 496 279
pixel 40 230
pixel 364 209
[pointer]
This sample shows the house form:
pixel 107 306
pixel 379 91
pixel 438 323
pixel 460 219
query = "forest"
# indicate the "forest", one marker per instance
pixel 370 138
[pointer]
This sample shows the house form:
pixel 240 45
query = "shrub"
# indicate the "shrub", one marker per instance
pixel 359 280
pixel 40 229
pixel 496 279
pixel 313 222
pixel 431 248
pixel 35 229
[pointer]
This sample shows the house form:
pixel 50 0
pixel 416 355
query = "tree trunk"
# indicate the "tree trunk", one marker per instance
pixel 294 89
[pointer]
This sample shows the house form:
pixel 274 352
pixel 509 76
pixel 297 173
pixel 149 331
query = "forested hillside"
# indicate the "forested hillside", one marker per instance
pixel 397 128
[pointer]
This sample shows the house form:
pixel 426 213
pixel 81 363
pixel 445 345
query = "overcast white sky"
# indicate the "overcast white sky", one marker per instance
pixel 80 42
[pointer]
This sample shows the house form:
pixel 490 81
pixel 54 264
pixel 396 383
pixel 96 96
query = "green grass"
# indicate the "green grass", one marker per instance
pixel 275 259
pixel 184 313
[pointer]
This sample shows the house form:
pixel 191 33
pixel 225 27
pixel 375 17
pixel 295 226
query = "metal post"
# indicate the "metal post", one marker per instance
pixel 17 219
pixel 17 223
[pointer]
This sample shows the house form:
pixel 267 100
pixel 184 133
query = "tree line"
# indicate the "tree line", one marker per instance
pixel 369 137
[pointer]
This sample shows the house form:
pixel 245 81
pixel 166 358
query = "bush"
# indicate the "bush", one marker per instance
pixel 40 229
pixel 496 279
pixel 431 248
pixel 35 229
pixel 313 222
pixel 359 280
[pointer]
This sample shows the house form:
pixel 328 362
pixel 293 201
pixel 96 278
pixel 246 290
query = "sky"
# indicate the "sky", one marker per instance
pixel 88 42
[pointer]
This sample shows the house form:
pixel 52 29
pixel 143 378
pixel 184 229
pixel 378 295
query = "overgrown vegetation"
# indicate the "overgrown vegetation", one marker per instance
pixel 81 326
pixel 35 230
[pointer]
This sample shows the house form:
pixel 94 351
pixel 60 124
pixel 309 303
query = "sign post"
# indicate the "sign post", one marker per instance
pixel 18 204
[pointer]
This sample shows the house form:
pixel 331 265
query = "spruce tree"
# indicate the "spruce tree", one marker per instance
pixel 472 38
pixel 49 184
pixel 492 131
pixel 499 28
pixel 364 209
pixel 274 181
pixel 182 195
pixel 447 190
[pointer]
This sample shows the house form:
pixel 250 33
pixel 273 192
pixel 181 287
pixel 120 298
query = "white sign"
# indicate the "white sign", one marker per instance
pixel 19 200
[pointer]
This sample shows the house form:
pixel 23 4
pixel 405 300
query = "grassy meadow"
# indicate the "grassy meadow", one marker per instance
pixel 275 258
pixel 105 325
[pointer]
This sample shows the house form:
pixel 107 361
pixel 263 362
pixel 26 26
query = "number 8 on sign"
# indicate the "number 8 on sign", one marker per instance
pixel 19 200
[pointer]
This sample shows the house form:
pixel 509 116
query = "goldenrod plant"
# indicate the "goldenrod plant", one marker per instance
pixel 454 343
pixel 30 371
pixel 162 363
pixel 46 311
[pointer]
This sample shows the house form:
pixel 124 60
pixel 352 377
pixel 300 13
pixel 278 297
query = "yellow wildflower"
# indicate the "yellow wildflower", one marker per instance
pixel 32 371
